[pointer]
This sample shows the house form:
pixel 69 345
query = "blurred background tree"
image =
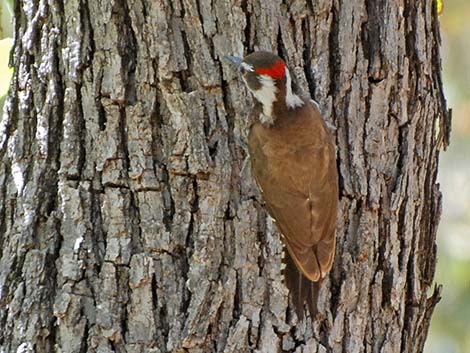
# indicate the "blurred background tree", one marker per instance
pixel 450 327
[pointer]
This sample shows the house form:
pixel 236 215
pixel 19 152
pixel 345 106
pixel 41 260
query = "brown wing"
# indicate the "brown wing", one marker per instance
pixel 295 169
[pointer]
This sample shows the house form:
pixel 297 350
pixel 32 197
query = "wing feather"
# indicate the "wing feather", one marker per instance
pixel 300 188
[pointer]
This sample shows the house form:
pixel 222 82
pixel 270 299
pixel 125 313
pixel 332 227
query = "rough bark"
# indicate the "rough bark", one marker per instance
pixel 125 225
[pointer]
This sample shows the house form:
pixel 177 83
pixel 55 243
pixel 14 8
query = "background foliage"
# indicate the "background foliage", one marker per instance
pixel 6 34
pixel 450 327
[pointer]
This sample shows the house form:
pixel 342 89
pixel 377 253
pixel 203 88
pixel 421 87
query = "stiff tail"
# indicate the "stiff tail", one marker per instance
pixel 300 288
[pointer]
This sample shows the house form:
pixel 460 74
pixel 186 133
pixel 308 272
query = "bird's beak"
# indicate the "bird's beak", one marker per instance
pixel 235 60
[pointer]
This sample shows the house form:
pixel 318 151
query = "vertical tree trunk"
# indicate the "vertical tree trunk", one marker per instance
pixel 125 222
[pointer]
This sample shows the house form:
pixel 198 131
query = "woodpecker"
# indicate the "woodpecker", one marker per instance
pixel 293 162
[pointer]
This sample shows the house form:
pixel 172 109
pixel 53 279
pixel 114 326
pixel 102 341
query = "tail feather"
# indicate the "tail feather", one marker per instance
pixel 300 288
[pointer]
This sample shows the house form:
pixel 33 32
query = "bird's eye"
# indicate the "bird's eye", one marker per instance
pixel 244 67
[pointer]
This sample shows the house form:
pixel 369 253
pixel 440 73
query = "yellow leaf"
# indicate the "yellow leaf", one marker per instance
pixel 440 6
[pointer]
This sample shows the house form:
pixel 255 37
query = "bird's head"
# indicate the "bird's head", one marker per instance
pixel 259 69
pixel 267 77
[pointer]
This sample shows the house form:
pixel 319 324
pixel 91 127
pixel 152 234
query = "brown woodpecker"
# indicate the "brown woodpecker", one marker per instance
pixel 293 162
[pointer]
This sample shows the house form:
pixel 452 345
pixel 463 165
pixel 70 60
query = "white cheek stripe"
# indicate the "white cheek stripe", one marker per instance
pixel 292 100
pixel 266 95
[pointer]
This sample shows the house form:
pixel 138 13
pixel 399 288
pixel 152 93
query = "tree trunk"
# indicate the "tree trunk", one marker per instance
pixel 126 222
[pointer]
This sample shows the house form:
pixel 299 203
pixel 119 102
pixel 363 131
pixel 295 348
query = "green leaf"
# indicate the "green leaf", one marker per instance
pixel 5 71
pixel 6 15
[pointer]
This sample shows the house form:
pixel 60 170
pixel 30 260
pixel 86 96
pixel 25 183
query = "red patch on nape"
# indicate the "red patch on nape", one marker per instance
pixel 277 71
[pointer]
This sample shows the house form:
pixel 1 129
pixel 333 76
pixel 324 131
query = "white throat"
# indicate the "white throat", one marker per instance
pixel 266 95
